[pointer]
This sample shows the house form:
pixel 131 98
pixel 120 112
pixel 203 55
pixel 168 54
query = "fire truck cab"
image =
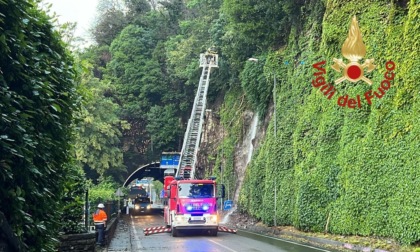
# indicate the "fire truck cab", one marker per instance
pixel 192 204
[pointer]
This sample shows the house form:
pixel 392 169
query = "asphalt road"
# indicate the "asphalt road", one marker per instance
pixel 130 237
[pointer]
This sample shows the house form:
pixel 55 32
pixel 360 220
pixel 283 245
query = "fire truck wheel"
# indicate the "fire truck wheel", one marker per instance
pixel 213 232
pixel 175 232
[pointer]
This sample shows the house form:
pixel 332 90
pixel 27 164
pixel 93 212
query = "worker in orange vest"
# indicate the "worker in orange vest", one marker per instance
pixel 100 218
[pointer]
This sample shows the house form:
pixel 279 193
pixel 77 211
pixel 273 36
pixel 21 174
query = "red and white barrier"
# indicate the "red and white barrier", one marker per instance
pixel 163 229
pixel 227 230
pixel 156 230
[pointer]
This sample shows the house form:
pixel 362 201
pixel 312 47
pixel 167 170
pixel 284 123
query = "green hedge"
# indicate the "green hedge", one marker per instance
pixel 37 101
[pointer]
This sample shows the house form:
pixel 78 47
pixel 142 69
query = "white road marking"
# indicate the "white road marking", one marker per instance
pixel 221 245
pixel 303 245
pixel 299 244
pixel 308 246
pixel 138 242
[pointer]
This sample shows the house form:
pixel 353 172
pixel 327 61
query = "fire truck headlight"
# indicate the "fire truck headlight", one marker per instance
pixel 213 218
pixel 178 218
pixel 206 207
pixel 149 206
pixel 189 208
pixel 137 207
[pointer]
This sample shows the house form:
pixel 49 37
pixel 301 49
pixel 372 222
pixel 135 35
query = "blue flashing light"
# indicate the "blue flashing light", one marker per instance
pixel 206 207
pixel 189 208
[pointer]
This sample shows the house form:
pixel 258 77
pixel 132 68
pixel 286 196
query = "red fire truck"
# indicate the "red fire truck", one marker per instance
pixel 192 204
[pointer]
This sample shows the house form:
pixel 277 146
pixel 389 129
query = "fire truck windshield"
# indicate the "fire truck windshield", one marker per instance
pixel 191 190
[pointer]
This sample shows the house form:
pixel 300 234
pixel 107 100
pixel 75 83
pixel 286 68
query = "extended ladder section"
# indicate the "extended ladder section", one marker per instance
pixel 186 166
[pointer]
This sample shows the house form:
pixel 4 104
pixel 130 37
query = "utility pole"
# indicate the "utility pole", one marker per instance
pixel 275 139
pixel 221 170
pixel 275 105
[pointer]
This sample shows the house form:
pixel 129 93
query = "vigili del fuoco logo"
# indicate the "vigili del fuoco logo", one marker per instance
pixel 354 51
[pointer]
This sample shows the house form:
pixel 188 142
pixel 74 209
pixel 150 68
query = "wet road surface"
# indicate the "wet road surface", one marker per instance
pixel 129 236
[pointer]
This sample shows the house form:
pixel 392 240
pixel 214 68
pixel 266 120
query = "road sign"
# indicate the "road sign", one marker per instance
pixel 228 205
pixel 119 193
pixel 169 160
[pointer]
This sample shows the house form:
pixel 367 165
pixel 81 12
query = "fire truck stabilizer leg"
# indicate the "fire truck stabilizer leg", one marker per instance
pixel 175 232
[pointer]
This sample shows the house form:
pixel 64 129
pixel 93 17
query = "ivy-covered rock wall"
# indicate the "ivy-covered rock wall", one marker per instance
pixel 339 169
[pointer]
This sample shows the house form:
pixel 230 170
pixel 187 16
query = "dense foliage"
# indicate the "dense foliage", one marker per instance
pixel 102 192
pixel 37 100
pixel 98 129
pixel 73 201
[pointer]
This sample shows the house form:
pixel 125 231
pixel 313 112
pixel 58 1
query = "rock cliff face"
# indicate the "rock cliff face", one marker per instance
pixel 253 133
pixel 211 137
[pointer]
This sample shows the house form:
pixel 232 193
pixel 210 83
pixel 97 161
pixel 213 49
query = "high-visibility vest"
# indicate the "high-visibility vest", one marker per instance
pixel 99 217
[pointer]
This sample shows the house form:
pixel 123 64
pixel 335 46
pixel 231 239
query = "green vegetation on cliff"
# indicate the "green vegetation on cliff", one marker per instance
pixel 342 170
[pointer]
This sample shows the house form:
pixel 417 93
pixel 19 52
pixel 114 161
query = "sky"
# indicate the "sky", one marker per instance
pixel 80 11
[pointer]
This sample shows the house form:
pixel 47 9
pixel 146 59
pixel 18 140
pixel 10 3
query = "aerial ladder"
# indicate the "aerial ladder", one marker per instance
pixel 192 212
pixel 187 161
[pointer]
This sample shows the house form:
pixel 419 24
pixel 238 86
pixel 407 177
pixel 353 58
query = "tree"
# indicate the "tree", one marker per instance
pixel 252 26
pixel 138 82
pixel 163 127
pixel 98 57
pixel 98 146
pixel 110 21
pixel 138 7
pixel 38 98
pixel 257 89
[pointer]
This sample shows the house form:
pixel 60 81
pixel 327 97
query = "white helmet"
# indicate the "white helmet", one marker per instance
pixel 101 205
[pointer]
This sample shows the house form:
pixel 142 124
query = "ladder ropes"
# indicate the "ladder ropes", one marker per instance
pixel 186 166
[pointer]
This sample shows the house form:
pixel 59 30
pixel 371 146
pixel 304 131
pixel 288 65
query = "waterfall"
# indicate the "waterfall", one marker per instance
pixel 247 148
pixel 250 137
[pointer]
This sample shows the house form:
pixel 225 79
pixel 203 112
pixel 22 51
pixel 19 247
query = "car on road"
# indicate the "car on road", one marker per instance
pixel 142 205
